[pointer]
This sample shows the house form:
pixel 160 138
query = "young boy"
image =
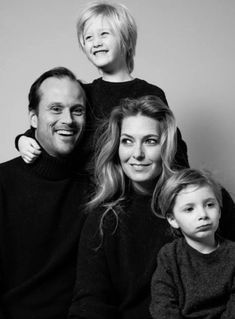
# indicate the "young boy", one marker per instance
pixel 195 274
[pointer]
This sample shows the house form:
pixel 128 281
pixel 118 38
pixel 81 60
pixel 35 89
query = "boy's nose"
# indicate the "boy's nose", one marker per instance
pixel 202 213
pixel 97 42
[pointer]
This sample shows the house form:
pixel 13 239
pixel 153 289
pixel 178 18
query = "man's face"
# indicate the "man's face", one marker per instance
pixel 60 117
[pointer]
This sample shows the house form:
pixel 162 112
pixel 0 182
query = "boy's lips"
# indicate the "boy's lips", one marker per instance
pixel 100 52
pixel 204 227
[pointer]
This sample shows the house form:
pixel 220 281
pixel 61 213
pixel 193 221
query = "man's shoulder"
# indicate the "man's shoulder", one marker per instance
pixel 14 162
pixel 9 169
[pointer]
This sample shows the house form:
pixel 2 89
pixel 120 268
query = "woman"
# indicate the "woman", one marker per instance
pixel 122 236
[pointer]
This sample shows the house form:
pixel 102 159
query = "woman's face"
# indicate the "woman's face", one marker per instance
pixel 140 150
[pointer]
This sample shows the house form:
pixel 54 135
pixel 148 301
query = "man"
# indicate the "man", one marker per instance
pixel 40 205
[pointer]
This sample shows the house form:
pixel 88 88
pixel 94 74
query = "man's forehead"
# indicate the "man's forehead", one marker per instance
pixel 61 87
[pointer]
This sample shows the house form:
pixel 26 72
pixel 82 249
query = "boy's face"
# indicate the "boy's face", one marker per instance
pixel 196 212
pixel 102 45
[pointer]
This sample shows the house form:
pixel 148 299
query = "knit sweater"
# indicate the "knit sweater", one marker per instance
pixel 189 284
pixel 114 274
pixel 40 223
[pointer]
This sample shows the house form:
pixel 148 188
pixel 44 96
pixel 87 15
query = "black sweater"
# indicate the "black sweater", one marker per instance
pixel 113 276
pixel 113 282
pixel 40 223
pixel 189 284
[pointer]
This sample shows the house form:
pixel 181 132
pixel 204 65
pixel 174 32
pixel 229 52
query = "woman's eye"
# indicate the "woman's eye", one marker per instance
pixel 126 141
pixel 188 209
pixel 151 141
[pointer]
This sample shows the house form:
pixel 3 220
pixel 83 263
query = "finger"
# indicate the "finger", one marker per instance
pixel 27 159
pixel 35 145
pixel 36 152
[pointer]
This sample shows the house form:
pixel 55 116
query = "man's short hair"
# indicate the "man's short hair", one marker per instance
pixel 34 93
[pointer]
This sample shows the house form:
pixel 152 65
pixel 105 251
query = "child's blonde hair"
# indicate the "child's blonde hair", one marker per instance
pixel 121 21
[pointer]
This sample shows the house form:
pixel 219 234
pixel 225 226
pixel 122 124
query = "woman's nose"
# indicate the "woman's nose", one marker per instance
pixel 138 152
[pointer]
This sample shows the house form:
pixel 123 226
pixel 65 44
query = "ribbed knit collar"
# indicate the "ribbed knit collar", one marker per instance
pixel 53 168
pixel 125 84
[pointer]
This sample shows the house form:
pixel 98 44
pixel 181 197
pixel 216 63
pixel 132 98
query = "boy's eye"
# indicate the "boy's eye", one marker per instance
pixel 188 209
pixel 104 33
pixel 211 204
pixel 87 37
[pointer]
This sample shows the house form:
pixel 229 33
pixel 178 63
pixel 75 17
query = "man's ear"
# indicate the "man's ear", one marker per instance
pixel 33 119
pixel 172 221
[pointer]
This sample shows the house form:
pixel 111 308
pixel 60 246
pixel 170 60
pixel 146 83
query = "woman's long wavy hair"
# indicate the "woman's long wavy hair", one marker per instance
pixel 111 182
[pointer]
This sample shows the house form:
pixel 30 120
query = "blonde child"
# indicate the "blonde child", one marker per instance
pixel 195 274
pixel 107 34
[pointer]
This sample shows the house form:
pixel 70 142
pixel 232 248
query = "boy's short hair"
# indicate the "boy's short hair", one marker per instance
pixel 180 180
pixel 121 21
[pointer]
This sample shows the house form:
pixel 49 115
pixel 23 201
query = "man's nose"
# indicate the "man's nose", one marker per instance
pixel 67 117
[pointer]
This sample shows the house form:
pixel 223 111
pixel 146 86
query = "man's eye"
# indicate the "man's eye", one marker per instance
pixel 56 109
pixel 79 111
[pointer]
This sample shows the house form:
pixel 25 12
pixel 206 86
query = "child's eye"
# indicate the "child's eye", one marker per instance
pixel 104 33
pixel 211 204
pixel 88 38
pixel 188 209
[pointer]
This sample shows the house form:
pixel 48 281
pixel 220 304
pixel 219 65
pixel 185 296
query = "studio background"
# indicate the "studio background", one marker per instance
pixel 186 47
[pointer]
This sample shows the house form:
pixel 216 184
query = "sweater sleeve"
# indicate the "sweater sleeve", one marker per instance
pixel 2 316
pixel 164 300
pixel 230 307
pixel 28 133
pixel 94 296
pixel 227 220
